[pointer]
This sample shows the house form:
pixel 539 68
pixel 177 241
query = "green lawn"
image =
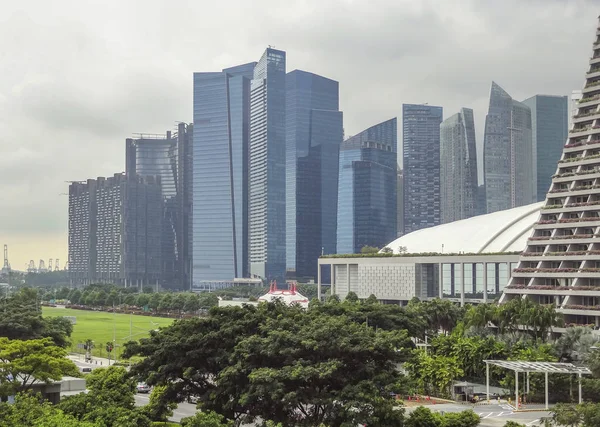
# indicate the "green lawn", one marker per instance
pixel 101 327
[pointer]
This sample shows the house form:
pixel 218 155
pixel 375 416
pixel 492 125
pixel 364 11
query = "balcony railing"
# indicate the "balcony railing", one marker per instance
pixel 578 158
pixel 584 172
pixel 552 207
pixel 579 204
pixel 568 253
pixel 582 307
pixel 589 98
pixel 556 270
pixel 572 236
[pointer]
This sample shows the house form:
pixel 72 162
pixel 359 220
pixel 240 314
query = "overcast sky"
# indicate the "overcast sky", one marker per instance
pixel 78 77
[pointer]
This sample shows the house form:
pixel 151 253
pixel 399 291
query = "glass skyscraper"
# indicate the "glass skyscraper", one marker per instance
pixel 549 125
pixel 421 163
pixel 508 152
pixel 314 132
pixel 165 156
pixel 367 195
pixel 267 167
pixel 458 167
pixel 220 176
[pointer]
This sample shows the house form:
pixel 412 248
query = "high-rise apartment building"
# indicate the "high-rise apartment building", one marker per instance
pixel 508 151
pixel 314 132
pixel 115 230
pixel 367 193
pixel 576 95
pixel 549 129
pixel 267 167
pixel 167 156
pixel 421 163
pixel 561 263
pixel 458 167
pixel 220 171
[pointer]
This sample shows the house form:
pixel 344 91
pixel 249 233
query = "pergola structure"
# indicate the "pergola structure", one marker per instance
pixel 534 367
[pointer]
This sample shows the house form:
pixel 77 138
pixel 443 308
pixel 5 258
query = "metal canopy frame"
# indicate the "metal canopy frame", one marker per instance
pixel 535 367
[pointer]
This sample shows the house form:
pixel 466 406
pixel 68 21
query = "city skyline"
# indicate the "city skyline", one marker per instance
pixel 59 127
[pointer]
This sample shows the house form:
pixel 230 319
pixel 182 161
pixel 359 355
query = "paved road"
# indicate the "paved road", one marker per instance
pixel 493 415
pixel 183 409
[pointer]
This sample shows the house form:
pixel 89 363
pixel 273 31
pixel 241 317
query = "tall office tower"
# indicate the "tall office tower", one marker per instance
pixel 115 230
pixel 314 132
pixel 549 129
pixel 561 262
pixel 165 156
pixel 421 162
pixel 400 202
pixel 183 232
pixel 576 95
pixel 480 205
pixel 220 169
pixel 458 167
pixel 508 151
pixel 367 189
pixel 267 167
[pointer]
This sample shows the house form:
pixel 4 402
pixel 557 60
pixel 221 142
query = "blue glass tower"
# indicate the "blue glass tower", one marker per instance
pixel 367 195
pixel 314 132
pixel 549 131
pixel 421 162
pixel 220 175
pixel 267 167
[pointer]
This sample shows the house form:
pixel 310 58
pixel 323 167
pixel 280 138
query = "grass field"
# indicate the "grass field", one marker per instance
pixel 101 327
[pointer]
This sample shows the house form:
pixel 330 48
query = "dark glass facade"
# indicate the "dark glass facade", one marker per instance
pixel 421 163
pixel 266 207
pixel 167 156
pixel 314 132
pixel 367 195
pixel 458 167
pixel 220 175
pixel 549 129
pixel 508 153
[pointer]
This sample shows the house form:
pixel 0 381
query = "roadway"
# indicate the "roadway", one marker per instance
pixel 492 415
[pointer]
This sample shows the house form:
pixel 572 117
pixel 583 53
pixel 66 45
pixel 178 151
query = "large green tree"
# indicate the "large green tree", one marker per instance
pixel 300 368
pixel 24 362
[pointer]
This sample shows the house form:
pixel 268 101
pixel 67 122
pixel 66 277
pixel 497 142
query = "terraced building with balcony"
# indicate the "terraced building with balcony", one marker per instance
pixel 561 262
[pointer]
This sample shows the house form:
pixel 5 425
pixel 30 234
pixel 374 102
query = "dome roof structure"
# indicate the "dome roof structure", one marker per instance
pixel 288 296
pixel 502 231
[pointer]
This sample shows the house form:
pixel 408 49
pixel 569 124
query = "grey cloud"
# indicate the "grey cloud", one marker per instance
pixel 80 77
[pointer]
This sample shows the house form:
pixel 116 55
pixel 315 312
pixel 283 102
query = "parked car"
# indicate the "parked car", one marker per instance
pixel 143 388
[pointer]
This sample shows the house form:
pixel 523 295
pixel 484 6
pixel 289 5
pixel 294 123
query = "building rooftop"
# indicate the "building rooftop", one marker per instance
pixel 502 231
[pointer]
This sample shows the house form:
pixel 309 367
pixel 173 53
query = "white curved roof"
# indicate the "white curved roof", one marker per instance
pixel 502 231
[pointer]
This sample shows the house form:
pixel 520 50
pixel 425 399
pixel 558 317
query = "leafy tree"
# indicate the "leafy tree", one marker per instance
pixel 130 299
pixel 75 296
pixel 351 297
pixel 434 374
pixel 566 415
pixel 148 289
pixel 155 300
pixel 513 424
pixel 100 299
pixel 112 298
pixel 158 408
pixel 30 410
pixel 387 250
pixel 178 302
pixel 90 299
pixel 209 300
pixel 165 303
pixel 440 314
pixel 142 300
pixel 423 417
pixel 461 419
pixel 192 303
pixel 59 329
pixel 275 362
pixel 109 401
pixel 24 362
pixel 206 419
pixel 62 293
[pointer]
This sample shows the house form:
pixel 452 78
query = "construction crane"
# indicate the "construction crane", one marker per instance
pixel 56 263
pixel 42 267
pixel 31 268
pixel 50 264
